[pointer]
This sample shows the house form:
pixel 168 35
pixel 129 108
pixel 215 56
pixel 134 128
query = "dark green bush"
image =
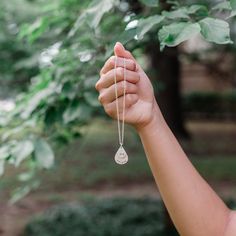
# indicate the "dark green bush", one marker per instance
pixel 210 104
pixel 110 217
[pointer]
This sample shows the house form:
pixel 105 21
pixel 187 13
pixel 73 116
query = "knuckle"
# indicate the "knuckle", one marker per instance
pixel 128 98
pixel 120 86
pixel 109 110
pixel 131 99
pixel 97 86
pixel 119 72
pixel 132 65
pixel 112 61
pixel 101 98
pixel 126 86
pixel 101 72
pixel 136 78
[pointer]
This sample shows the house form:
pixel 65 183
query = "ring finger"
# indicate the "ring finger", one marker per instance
pixel 130 100
pixel 109 95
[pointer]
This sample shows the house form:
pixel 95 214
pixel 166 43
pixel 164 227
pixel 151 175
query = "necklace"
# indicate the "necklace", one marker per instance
pixel 121 156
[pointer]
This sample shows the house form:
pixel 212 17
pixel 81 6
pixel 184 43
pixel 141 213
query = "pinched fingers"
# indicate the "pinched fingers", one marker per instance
pixel 110 64
pixel 130 100
pixel 108 95
pixel 107 79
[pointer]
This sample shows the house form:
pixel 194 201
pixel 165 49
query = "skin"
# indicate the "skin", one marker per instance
pixel 194 207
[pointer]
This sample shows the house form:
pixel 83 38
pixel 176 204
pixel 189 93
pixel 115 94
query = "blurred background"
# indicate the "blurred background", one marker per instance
pixel 58 175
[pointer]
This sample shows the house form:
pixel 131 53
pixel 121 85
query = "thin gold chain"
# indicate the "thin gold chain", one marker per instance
pixel 121 129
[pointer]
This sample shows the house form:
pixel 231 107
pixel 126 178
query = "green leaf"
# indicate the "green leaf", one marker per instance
pixel 5 152
pixel 72 112
pixel 198 10
pixel 26 176
pixel 176 33
pixel 2 162
pixel 21 192
pixel 184 12
pixel 22 150
pixel 125 37
pixel 43 153
pixel 181 13
pixel 92 99
pixel 145 25
pixel 216 31
pixel 77 110
pixel 34 31
pixel 150 3
pixel 37 98
pixel 69 90
pixel 232 14
pixel 222 6
pixel 233 4
pixel 96 11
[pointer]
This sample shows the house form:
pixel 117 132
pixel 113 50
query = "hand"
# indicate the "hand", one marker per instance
pixel 140 105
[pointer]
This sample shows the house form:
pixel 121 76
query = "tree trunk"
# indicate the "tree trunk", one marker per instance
pixel 166 70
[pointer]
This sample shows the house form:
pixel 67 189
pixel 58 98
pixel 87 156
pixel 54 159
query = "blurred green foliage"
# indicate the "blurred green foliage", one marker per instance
pixel 110 217
pixel 61 46
pixel 18 60
pixel 210 104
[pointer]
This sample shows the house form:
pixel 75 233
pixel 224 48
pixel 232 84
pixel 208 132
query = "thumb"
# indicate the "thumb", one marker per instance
pixel 120 51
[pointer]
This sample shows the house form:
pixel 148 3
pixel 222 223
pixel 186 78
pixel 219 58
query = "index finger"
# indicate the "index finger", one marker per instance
pixel 110 64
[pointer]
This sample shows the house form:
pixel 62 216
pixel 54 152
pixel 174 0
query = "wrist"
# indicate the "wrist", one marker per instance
pixel 156 121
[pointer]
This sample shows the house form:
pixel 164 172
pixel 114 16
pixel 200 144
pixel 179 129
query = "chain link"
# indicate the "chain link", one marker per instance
pixel 121 128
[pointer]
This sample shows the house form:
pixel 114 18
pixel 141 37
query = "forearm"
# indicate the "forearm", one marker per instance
pixel 194 207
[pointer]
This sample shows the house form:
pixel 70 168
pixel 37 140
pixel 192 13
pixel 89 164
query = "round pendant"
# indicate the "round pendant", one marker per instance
pixel 121 156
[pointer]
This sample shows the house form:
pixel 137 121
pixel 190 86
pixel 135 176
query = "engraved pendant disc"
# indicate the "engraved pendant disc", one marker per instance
pixel 121 156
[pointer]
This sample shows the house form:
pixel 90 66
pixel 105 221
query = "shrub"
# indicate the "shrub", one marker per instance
pixel 110 217
pixel 210 104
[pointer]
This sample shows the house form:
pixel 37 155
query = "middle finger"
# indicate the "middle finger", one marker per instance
pixel 108 79
pixel 109 95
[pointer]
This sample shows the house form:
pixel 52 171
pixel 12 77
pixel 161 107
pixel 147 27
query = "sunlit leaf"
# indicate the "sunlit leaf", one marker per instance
pixel 92 99
pixel 21 192
pixel 215 30
pixel 43 153
pixel 22 150
pixel 77 111
pixel 181 13
pixel 198 10
pixel 176 33
pixel 2 162
pixel 96 11
pixel 233 4
pixel 232 14
pixel 40 96
pixel 222 6
pixel 146 24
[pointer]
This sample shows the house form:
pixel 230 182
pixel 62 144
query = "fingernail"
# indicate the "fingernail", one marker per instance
pixel 119 43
